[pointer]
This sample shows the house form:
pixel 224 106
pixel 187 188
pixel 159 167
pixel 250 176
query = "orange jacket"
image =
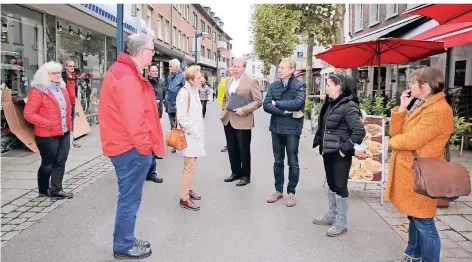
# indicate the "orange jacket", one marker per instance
pixel 427 131
pixel 42 110
pixel 127 112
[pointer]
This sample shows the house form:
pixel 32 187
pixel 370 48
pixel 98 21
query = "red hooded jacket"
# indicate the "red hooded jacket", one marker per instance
pixel 127 111
pixel 42 110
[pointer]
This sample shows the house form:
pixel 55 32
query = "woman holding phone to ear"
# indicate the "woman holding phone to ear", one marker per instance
pixel 423 122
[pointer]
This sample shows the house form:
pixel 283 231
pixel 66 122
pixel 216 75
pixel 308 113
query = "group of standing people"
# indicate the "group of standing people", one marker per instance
pixel 129 115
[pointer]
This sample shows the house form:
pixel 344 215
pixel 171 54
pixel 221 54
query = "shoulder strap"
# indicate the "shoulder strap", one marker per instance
pixel 188 100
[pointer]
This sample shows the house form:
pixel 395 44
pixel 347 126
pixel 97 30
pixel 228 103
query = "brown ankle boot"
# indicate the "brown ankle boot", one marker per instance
pixel 188 204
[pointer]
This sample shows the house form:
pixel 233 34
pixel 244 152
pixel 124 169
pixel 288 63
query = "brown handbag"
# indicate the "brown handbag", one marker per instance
pixel 441 179
pixel 176 136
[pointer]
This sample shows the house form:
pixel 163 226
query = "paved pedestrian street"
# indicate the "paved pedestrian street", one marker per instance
pixel 234 224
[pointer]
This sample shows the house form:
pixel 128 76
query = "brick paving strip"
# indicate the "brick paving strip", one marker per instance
pixel 453 223
pixel 26 208
pixel 29 208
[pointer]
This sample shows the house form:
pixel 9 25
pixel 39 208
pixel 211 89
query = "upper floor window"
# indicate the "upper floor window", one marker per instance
pixel 374 14
pixel 203 25
pixel 214 36
pixel 159 27
pixel 149 16
pixel 167 31
pixel 392 10
pixel 137 10
pixel 359 17
pixel 195 20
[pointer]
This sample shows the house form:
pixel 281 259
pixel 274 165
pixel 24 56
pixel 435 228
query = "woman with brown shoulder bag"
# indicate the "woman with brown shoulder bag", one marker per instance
pixel 423 129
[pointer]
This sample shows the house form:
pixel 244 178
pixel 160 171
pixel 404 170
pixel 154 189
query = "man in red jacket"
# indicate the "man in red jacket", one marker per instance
pixel 71 85
pixel 129 130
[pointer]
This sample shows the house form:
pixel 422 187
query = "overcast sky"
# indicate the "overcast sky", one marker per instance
pixel 235 16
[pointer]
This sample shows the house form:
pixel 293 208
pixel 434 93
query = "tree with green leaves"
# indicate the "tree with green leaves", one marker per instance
pixel 319 24
pixel 272 33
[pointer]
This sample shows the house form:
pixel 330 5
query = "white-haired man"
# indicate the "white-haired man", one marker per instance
pixel 239 123
pixel 130 130
pixel 175 82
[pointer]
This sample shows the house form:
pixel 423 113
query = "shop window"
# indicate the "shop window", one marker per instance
pixel 21 49
pixel 111 51
pixel 87 49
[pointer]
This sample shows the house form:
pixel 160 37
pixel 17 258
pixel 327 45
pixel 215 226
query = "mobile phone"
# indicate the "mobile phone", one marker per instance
pixel 409 94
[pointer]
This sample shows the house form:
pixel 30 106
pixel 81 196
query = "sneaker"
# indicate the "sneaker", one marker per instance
pixel 291 200
pixel 274 197
pixel 136 252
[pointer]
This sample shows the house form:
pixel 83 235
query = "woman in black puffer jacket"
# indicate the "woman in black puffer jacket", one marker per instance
pixel 339 128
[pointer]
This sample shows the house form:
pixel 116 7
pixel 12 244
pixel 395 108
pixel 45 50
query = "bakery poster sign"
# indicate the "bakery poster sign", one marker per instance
pixel 368 165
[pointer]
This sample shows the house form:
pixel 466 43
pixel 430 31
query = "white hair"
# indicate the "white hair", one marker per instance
pixel 291 63
pixel 137 42
pixel 41 77
pixel 240 59
pixel 174 62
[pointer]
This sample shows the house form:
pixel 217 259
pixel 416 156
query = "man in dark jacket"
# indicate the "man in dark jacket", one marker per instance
pixel 158 87
pixel 285 100
pixel 176 80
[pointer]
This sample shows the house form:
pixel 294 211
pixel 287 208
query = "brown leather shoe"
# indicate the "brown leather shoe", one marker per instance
pixel 274 197
pixel 194 196
pixel 189 205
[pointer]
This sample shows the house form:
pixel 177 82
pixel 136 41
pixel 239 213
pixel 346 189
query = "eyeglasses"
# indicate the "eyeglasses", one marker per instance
pixel 411 82
pixel 152 50
pixel 56 73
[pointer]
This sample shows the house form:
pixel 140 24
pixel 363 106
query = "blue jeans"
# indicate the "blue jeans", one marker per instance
pixel 131 169
pixel 423 240
pixel 280 144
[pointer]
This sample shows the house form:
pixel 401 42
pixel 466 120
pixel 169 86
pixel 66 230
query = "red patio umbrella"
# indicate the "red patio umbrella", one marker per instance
pixel 454 34
pixel 380 51
pixel 445 13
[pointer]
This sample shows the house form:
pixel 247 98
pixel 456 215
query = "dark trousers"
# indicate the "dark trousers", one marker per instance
pixel 239 151
pixel 131 168
pixel 280 144
pixel 171 118
pixel 73 116
pixel 337 172
pixel 153 168
pixel 204 107
pixel 54 152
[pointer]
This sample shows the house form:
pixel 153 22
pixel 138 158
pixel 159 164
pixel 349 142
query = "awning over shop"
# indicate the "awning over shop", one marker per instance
pixel 445 13
pixel 167 52
pixel 384 32
pixel 455 34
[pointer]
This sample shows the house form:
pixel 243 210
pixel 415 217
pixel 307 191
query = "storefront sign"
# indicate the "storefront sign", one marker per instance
pixel 459 73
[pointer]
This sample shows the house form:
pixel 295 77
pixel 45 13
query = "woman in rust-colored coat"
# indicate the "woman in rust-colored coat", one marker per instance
pixel 426 128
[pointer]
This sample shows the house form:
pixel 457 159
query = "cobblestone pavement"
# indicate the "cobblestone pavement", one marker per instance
pixel 234 224
pixel 21 205
pixel 29 208
pixel 454 223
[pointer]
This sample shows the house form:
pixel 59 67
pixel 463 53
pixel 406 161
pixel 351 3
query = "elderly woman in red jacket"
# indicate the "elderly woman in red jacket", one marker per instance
pixel 49 110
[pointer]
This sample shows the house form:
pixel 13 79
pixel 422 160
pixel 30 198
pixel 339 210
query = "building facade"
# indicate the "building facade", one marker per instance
pixel 33 34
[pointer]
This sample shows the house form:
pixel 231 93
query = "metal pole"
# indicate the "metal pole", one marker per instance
pixel 196 48
pixel 217 66
pixel 119 28
pixel 378 68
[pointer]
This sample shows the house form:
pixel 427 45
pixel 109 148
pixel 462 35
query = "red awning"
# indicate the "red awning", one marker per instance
pixel 445 13
pixel 455 34
pixel 380 51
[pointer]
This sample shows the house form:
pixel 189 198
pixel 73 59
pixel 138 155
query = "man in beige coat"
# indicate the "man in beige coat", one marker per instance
pixel 238 124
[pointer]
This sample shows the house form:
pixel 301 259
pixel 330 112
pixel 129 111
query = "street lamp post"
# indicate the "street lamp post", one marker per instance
pixel 119 28
pixel 197 35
